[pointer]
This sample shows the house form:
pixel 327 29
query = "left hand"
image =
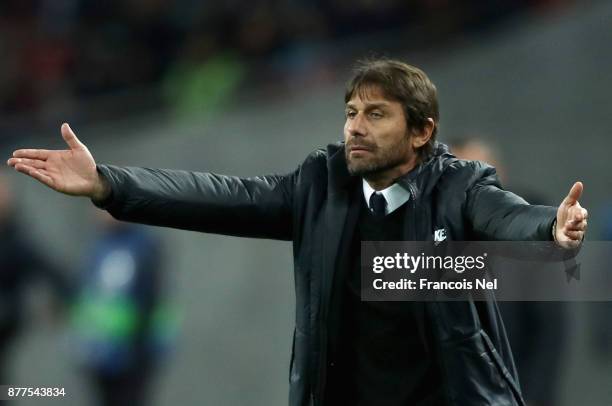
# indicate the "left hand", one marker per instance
pixel 571 219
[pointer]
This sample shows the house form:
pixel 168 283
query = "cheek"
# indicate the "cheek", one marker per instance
pixel 385 137
pixel 346 132
pixel 392 139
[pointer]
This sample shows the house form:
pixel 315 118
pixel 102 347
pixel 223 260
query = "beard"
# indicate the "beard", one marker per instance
pixel 380 159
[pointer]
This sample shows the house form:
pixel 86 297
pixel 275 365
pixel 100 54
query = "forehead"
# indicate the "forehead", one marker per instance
pixel 368 94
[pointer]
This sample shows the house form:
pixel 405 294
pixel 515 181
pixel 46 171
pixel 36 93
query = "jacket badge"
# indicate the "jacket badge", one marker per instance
pixel 440 235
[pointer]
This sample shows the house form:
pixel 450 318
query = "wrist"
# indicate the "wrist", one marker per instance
pixel 102 188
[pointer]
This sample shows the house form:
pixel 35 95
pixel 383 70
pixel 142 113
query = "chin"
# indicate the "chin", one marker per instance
pixel 362 168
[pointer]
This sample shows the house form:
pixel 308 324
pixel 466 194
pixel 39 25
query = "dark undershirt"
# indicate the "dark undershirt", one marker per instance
pixel 378 356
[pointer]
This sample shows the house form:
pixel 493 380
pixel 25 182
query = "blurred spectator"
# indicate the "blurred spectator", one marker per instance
pixel 21 263
pixel 203 79
pixel 537 330
pixel 121 319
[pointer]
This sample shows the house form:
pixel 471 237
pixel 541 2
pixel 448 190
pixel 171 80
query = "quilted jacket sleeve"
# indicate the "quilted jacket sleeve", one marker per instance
pixel 249 207
pixel 499 215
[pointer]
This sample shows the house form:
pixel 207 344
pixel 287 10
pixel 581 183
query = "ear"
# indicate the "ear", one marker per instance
pixel 422 136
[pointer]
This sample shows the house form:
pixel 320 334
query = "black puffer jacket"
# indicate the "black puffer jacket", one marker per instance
pixel 309 207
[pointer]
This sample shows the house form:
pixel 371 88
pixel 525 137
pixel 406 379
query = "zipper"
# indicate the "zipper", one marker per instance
pixel 413 216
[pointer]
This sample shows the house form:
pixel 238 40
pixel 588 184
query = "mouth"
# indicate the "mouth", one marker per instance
pixel 359 148
pixel 359 152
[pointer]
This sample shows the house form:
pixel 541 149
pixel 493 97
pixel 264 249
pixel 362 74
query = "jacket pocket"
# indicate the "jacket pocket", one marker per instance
pixel 475 373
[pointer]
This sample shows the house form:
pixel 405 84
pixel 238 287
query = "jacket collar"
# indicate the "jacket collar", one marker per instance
pixel 339 176
pixel 420 180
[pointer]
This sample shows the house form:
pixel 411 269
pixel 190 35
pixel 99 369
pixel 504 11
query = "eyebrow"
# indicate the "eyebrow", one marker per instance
pixel 374 105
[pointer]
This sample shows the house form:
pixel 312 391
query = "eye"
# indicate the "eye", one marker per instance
pixel 376 115
pixel 350 113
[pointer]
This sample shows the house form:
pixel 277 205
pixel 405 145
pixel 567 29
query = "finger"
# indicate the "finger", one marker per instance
pixel 576 213
pixel 574 235
pixel 574 193
pixel 579 226
pixel 39 174
pixel 575 219
pixel 70 137
pixel 42 154
pixel 571 244
pixel 36 163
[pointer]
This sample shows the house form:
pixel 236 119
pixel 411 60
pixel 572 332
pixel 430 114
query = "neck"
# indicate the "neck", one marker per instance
pixel 383 179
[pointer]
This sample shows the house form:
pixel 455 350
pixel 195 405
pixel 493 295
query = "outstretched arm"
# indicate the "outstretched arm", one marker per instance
pixel 496 214
pixel 253 207
pixel 258 207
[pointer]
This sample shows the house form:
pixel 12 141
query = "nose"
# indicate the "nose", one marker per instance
pixel 356 126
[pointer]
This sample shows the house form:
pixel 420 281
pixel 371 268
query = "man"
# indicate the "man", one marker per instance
pixel 388 179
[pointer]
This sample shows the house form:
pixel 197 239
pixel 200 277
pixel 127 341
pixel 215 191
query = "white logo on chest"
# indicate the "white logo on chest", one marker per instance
pixel 440 235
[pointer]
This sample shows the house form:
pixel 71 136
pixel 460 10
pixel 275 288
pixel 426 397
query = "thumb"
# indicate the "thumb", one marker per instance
pixel 574 194
pixel 70 137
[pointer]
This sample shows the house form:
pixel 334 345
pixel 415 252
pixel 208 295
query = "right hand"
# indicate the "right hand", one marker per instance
pixel 71 171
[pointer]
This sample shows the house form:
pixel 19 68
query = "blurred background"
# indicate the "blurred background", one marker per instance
pixel 247 88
